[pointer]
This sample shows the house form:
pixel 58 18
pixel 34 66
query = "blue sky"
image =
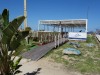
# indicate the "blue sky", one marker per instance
pixel 55 10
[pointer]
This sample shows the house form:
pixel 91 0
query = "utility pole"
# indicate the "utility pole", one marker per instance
pixel 25 14
pixel 25 21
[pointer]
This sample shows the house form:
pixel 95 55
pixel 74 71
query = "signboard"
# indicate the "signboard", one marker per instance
pixel 77 35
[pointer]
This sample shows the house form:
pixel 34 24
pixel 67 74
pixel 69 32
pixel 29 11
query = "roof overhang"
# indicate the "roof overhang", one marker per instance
pixel 67 23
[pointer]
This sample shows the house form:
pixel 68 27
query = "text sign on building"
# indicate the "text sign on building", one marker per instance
pixel 77 35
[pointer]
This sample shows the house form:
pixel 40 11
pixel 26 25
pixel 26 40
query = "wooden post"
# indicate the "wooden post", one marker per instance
pixel 65 32
pixel 41 38
pixel 48 28
pixel 49 37
pixel 45 37
pixel 86 25
pixel 58 40
pixel 53 36
pixel 44 27
pixel 61 38
pixel 55 41
pixel 58 28
pixel 54 29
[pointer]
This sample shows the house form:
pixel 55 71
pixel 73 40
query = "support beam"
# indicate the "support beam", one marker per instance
pixel 44 27
pixel 86 25
pixel 47 27
pixel 58 39
pixel 38 29
pixel 60 28
pixel 53 28
pixel 55 40
pixel 41 38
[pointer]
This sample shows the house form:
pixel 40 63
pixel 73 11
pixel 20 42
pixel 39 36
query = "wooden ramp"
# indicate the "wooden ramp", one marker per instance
pixel 98 37
pixel 36 53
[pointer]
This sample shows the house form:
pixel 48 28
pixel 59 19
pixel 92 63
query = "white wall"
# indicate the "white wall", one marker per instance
pixel 77 35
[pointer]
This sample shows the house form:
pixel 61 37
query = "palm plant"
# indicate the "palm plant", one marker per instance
pixel 10 38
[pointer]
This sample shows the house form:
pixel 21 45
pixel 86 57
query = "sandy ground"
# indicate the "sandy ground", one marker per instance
pixel 44 67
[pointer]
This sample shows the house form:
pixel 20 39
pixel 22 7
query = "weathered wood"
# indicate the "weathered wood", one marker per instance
pixel 98 37
pixel 36 53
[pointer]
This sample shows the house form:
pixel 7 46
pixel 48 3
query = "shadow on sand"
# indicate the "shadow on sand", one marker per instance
pixel 34 72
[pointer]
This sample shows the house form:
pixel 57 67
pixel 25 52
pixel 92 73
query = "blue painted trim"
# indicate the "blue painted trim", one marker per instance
pixel 78 38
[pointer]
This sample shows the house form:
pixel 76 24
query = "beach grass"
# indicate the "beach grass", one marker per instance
pixel 86 63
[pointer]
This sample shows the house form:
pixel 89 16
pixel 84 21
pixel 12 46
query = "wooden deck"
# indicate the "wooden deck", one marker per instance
pixel 98 37
pixel 36 53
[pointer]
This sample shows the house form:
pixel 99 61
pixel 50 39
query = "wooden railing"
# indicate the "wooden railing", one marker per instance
pixel 98 37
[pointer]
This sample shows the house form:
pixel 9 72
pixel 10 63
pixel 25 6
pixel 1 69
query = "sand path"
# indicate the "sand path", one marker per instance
pixel 45 67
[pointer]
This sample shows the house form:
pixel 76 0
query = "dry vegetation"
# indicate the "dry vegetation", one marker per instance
pixel 88 63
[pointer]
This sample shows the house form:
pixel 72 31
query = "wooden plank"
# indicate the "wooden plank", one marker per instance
pixel 36 53
pixel 98 37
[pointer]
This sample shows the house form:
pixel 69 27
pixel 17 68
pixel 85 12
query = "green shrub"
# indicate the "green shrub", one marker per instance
pixel 89 39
